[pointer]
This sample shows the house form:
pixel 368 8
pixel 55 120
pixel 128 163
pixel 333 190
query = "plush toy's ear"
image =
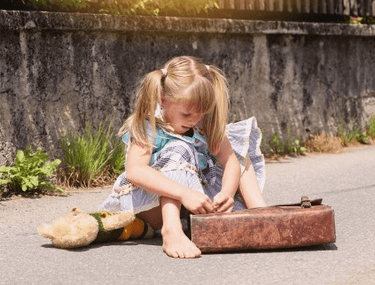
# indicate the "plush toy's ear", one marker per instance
pixel 77 211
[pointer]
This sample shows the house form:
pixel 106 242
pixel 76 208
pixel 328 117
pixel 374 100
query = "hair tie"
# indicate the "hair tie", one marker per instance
pixel 208 68
pixel 164 71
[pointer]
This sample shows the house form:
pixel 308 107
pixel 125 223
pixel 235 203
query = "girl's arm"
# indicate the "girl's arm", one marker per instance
pixel 141 174
pixel 223 201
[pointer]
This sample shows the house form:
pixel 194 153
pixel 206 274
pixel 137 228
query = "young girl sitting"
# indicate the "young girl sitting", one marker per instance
pixel 181 152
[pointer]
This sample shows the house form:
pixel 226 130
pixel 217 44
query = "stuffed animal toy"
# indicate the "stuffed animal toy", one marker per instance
pixel 78 228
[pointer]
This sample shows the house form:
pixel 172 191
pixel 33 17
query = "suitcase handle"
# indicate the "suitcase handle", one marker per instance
pixel 305 202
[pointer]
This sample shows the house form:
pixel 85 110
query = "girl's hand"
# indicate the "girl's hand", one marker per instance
pixel 197 203
pixel 223 202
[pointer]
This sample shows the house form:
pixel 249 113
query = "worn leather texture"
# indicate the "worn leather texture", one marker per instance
pixel 264 228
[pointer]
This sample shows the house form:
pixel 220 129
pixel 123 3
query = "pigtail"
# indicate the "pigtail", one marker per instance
pixel 143 118
pixel 184 79
pixel 214 123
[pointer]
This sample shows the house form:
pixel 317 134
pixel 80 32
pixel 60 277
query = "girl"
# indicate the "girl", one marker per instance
pixel 180 153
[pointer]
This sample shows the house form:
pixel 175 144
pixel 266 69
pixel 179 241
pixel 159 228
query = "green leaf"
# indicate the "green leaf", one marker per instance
pixel 34 181
pixel 24 187
pixel 20 157
pixel 5 169
pixel 4 181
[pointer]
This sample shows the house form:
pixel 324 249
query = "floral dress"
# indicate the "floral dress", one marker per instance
pixel 186 160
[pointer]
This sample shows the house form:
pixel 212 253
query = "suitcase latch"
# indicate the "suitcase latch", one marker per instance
pixel 305 202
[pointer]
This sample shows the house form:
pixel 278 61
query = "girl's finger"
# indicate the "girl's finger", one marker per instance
pixel 219 199
pixel 227 206
pixel 195 212
pixel 201 210
pixel 208 206
pixel 229 209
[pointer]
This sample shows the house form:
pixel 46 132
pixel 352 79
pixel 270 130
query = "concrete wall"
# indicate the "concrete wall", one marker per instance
pixel 59 71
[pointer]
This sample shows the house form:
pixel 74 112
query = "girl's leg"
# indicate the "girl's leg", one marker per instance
pixel 167 217
pixel 249 188
pixel 153 217
pixel 175 243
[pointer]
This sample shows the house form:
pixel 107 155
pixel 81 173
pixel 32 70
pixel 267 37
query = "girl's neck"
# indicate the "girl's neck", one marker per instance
pixel 189 133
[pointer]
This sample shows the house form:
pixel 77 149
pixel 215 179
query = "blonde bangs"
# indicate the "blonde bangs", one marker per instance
pixel 199 95
pixel 208 95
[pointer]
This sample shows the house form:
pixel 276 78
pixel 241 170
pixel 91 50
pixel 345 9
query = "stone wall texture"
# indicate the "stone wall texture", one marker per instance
pixel 59 71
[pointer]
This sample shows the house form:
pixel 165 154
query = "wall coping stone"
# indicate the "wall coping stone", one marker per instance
pixel 37 21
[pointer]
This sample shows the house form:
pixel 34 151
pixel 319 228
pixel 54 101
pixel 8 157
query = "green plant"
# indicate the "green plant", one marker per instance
pixel 277 145
pixel 296 148
pixel 93 156
pixel 118 157
pixel 158 7
pixel 129 7
pixel 349 135
pixel 362 20
pixel 371 128
pixel 30 172
pixel 137 7
pixel 368 20
pixel 64 4
pixel 355 20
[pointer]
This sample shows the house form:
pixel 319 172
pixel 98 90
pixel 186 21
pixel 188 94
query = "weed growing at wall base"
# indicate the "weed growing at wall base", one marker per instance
pixel 370 130
pixel 93 158
pixel 278 147
pixel 349 134
pixel 31 172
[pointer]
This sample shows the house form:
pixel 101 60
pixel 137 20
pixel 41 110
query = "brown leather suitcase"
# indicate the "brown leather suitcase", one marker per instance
pixel 283 226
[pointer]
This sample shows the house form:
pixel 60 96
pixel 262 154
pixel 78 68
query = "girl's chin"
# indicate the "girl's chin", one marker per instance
pixel 183 129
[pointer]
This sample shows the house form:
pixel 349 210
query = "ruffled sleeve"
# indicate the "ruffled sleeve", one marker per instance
pixel 245 138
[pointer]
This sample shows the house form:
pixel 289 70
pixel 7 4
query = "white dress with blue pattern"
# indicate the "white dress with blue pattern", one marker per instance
pixel 187 161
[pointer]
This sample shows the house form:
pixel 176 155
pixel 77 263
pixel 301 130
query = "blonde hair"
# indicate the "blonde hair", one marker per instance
pixel 183 79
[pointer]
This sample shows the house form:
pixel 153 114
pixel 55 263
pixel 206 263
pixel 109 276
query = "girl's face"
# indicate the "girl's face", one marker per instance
pixel 180 116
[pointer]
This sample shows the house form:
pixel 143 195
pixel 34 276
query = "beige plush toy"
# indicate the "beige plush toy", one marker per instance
pixel 78 228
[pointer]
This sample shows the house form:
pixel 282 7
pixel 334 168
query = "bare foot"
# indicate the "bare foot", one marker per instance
pixel 177 245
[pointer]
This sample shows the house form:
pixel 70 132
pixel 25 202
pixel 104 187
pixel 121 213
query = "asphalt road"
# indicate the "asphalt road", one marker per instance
pixel 345 181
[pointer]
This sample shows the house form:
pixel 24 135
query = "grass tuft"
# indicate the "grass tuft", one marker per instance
pixel 92 159
pixel 370 130
pixel 276 148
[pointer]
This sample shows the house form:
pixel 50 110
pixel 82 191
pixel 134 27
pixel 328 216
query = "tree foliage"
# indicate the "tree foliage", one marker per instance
pixel 118 7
